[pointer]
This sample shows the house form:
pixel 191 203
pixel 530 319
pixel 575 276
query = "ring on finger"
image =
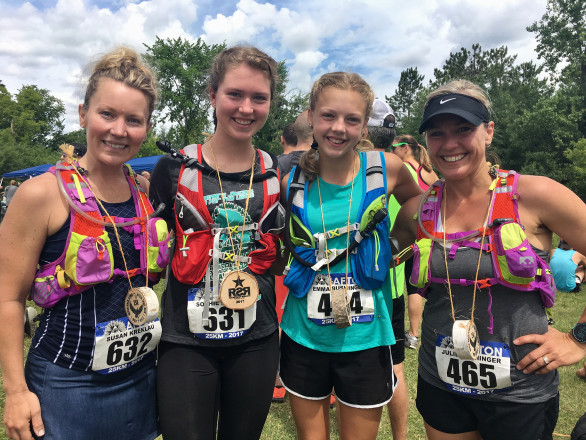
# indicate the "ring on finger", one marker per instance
pixel 546 360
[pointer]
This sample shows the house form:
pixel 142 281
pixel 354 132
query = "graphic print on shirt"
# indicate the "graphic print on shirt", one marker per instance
pixel 223 322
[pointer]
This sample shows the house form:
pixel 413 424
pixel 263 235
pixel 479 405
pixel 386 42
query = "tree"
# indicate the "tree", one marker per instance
pixel 35 117
pixel 182 68
pixel 561 40
pixel 404 97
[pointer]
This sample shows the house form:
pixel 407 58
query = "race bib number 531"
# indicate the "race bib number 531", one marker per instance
pixel 489 373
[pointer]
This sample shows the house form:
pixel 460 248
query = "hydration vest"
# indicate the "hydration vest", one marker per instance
pixel 369 238
pixel 198 238
pixel 515 264
pixel 87 259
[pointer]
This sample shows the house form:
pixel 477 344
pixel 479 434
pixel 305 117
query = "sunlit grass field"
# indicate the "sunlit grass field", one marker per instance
pixel 569 306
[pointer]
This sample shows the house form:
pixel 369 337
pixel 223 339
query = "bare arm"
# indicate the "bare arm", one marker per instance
pixel 34 212
pixel 400 183
pixel 546 206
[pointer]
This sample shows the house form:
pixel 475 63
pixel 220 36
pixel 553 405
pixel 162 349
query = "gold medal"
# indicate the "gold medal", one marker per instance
pixel 141 305
pixel 340 306
pixel 239 290
pixel 465 339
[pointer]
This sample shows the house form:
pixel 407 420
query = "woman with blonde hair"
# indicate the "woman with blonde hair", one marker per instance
pixel 483 235
pixel 336 327
pixel 86 251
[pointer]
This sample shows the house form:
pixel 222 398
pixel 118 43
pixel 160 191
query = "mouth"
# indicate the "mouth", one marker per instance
pixel 336 141
pixel 115 146
pixel 243 122
pixel 453 158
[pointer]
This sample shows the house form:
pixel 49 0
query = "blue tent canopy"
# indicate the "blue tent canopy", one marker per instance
pixel 139 164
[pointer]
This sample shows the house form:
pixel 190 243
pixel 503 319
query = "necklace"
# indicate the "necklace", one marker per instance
pixel 338 294
pixel 464 332
pixel 244 291
pixel 141 303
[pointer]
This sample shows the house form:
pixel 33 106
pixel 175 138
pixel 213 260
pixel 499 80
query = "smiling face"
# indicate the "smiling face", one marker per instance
pixel 116 122
pixel 457 147
pixel 242 102
pixel 338 120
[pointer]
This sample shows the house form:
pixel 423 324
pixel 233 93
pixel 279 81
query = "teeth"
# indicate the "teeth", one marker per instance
pixel 243 121
pixel 453 158
pixel 336 141
pixel 116 146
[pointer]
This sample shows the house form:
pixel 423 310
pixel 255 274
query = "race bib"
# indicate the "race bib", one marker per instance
pixel 223 322
pixel 489 373
pixel 119 344
pixel 319 304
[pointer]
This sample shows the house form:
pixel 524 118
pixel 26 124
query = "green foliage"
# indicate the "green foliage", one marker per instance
pixel 561 40
pixel 405 95
pixel 182 68
pixel 36 117
pixel 16 156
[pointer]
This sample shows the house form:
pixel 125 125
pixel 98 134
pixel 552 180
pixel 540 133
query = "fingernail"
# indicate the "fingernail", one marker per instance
pixel 41 432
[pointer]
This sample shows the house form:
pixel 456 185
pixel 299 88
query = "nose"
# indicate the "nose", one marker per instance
pixel 118 127
pixel 246 106
pixel 339 126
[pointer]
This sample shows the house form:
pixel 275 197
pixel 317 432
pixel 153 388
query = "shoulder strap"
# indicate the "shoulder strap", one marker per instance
pixel 505 197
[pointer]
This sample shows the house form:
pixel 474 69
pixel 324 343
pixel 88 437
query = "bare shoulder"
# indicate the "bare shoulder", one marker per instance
pixel 539 192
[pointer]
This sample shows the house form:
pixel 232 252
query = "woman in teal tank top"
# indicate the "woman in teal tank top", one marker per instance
pixel 337 328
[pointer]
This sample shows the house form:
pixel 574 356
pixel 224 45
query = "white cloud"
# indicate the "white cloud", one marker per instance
pixel 376 38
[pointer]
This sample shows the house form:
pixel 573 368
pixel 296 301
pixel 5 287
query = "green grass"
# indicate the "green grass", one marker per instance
pixel 569 306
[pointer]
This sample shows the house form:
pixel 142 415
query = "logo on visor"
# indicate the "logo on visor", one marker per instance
pixel 443 102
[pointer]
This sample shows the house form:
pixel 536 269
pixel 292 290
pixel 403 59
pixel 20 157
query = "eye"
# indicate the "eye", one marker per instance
pixel 106 114
pixel 134 121
pixel 234 94
pixel 434 133
pixel 260 98
pixel 354 121
pixel 464 129
pixel 327 115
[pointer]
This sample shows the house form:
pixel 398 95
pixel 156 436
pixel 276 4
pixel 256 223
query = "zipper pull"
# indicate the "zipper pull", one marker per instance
pixel 181 210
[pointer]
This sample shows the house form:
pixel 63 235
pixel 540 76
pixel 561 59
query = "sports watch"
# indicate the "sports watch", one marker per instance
pixel 579 332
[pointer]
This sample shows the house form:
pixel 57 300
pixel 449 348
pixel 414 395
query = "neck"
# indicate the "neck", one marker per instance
pixel 470 187
pixel 107 182
pixel 340 171
pixel 228 155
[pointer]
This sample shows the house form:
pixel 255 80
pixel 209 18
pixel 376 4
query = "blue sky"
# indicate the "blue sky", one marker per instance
pixel 49 43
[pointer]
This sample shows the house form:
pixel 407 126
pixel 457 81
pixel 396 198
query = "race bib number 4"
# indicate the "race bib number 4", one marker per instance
pixel 489 373
pixel 119 344
pixel 222 323
pixel 319 304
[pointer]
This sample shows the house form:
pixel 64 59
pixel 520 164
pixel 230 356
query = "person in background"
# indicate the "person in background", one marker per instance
pixel 415 156
pixel 9 192
pixel 381 132
pixel 567 266
pixel 87 376
pixel 220 345
pixel 288 139
pixel 304 137
pixel 485 331
pixel 324 345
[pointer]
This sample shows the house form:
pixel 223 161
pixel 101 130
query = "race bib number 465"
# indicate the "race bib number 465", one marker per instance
pixel 489 373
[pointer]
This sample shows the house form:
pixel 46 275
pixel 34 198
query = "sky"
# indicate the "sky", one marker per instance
pixel 50 43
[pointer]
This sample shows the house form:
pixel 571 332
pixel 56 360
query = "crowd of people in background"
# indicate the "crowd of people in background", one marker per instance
pixel 286 274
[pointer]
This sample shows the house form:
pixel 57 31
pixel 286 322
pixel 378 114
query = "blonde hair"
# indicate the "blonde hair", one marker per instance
pixel 124 65
pixel 419 151
pixel 343 81
pixel 463 87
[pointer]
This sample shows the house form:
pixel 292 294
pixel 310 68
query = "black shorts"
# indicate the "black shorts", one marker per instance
pixel 398 323
pixel 454 414
pixel 408 269
pixel 361 379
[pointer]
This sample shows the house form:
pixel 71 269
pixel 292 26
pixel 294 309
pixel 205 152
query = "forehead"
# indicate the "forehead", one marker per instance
pixel 245 76
pixel 347 100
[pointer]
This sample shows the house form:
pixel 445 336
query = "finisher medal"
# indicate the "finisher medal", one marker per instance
pixel 465 338
pixel 239 290
pixel 141 305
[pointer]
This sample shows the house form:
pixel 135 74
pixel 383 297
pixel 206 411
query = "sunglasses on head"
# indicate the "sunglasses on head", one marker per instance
pixel 399 145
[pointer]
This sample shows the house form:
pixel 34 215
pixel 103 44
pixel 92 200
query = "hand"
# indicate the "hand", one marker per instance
pixel 20 410
pixel 557 348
